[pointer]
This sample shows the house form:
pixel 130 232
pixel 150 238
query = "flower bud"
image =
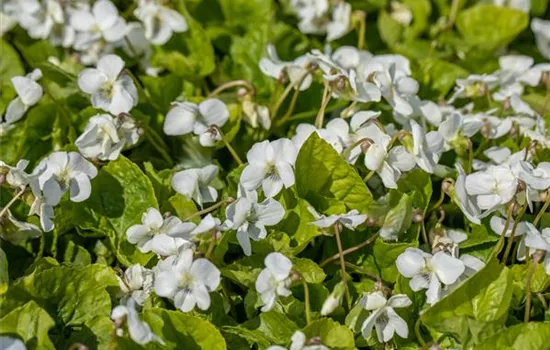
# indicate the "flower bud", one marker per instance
pixel 486 128
pixel 446 185
pixel 417 216
pixel 295 276
pixel 371 222
pixel 334 299
pixel 242 92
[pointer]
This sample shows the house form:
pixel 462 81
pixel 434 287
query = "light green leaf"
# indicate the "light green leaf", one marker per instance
pixel 477 308
pixel 31 323
pixel 244 271
pixel 332 334
pixel 390 30
pixel 77 296
pixel 398 219
pixel 121 193
pixel 326 180
pixel 486 28
pixel 189 54
pixel 180 330
pixel 530 336
pixel 163 90
pixel 439 76
pixel 311 272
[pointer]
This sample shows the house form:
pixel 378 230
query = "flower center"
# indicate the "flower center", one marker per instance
pixel 63 178
pixel 186 280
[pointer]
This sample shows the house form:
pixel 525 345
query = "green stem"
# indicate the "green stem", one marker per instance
pixel 228 145
pixel 307 302
pixel 417 333
pixel 530 273
pixel 209 209
pixel 212 244
pixel 349 250
pixel 439 201
pixel 470 157
pixel 362 29
pixel 295 84
pixel 500 242
pixel 290 109
pixel 342 261
pixel 156 142
pixel 324 102
pixel 368 176
pixel 540 213
pixel 10 203
pixel 231 84
pixel 363 271
pixel 512 235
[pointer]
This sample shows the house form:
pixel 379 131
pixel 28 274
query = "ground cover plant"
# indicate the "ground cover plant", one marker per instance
pixel 262 174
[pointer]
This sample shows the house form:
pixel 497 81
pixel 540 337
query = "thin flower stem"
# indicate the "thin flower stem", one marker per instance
pixel 345 113
pixel 541 212
pixel 363 271
pixel 342 261
pixel 452 14
pixel 512 235
pixel 234 83
pixel 306 115
pixel 324 102
pixel 228 145
pixel 10 203
pixel 348 150
pixel 528 295
pixel 307 302
pixel 209 209
pixel 290 109
pixel 212 243
pixel 470 156
pixel 287 90
pixel 156 141
pixel 362 29
pixel 424 233
pixel 417 333
pixel 369 175
pixel 348 251
pixel 500 242
pixel 439 201
pixel 543 301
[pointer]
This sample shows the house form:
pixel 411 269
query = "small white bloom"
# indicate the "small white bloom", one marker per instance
pixel 340 21
pixel 492 187
pixel 427 147
pixel 274 280
pixel 186 117
pixel 270 165
pixel 137 282
pixel 104 137
pixel 295 71
pixel 111 88
pixel 40 17
pixel 467 205
pixel 473 86
pixel 249 218
pixel 383 317
pixel 194 183
pixel 334 299
pixel 456 126
pixel 9 343
pixel 541 29
pixel 256 115
pixel 16 175
pixel 397 89
pixel 29 92
pixel 351 220
pixel 139 331
pixel 103 22
pixel 187 282
pixel 539 240
pixel 135 44
pixel 46 196
pixel 71 172
pixel 401 13
pixel 312 14
pixel 388 164
pixel 15 231
pixel 428 272
pixel 298 342
pixel 159 21
pixel 536 178
pixel 162 236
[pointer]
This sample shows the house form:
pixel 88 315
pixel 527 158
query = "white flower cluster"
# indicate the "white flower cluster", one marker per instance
pixel 94 30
